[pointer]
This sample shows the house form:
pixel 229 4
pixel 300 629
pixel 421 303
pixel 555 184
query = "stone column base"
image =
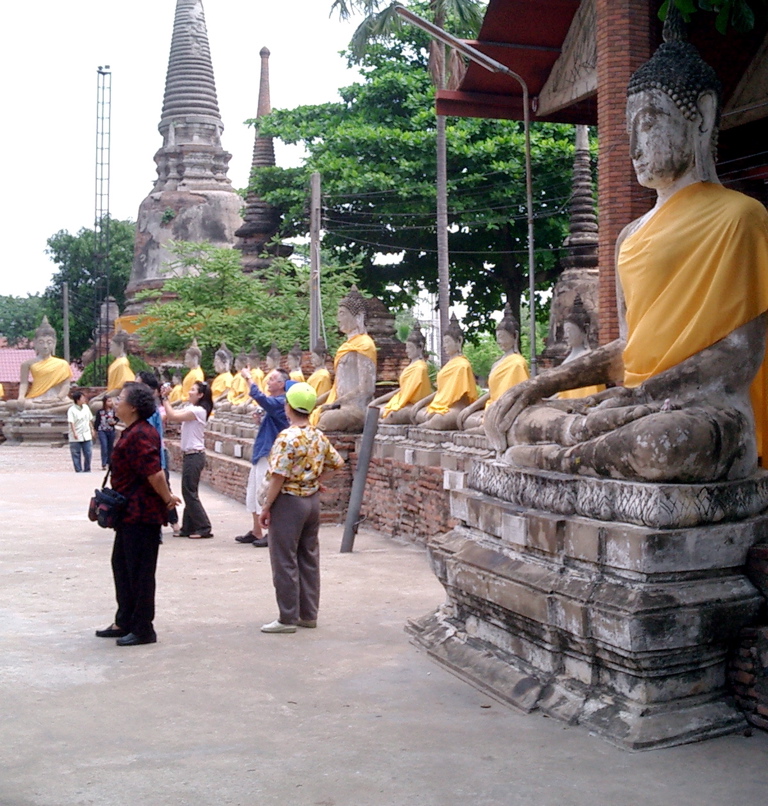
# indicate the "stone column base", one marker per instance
pixel 36 428
pixel 621 628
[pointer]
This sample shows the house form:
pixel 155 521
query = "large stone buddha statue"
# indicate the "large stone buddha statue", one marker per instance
pixel 507 372
pixel 119 371
pixel 692 288
pixel 456 386
pixel 48 392
pixel 320 379
pixel 343 409
pixel 413 384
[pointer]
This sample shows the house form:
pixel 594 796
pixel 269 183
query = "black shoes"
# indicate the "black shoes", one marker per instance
pixel 248 537
pixel 135 640
pixel 111 632
pixel 261 543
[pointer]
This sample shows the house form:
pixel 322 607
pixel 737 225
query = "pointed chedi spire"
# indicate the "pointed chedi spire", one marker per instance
pixel 193 198
pixel 261 220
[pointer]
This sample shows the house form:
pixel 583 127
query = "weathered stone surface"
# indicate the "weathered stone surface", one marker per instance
pixel 661 506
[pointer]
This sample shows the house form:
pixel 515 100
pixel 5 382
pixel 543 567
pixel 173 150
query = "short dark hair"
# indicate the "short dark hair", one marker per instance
pixel 76 395
pixel 140 397
pixel 149 379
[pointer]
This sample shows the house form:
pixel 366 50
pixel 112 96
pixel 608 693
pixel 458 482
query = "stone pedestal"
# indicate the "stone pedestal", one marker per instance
pixel 620 627
pixel 36 428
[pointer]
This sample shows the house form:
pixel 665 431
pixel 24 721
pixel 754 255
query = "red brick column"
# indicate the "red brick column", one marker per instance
pixel 625 29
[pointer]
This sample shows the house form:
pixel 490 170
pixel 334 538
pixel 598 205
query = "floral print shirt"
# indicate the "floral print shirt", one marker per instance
pixel 301 454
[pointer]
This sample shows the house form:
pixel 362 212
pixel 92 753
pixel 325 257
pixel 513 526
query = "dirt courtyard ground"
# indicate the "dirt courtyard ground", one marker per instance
pixel 349 714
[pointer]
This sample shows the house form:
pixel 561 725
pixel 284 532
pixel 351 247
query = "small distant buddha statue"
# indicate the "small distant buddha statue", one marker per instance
pixel 693 311
pixel 119 371
pixel 320 379
pixel 456 387
pixel 222 383
pixel 344 407
pixel 414 384
pixel 273 358
pixel 192 360
pixel 293 360
pixel 237 398
pixel 51 377
pixel 507 372
pixel 576 327
pixel 177 391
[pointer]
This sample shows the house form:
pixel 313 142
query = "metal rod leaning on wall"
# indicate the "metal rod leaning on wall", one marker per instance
pixel 370 428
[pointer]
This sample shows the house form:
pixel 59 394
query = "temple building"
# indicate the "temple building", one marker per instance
pixel 192 198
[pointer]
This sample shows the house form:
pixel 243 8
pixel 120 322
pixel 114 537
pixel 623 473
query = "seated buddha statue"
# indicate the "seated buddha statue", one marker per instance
pixel 343 407
pixel 237 398
pixel 272 360
pixel 413 385
pixel 456 387
pixel 320 379
pixel 293 361
pixel 692 300
pixel 177 392
pixel 576 333
pixel 48 392
pixel 222 365
pixel 505 373
pixel 119 371
pixel 192 361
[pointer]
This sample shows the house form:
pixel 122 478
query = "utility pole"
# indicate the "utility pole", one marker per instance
pixel 101 213
pixel 315 312
pixel 65 313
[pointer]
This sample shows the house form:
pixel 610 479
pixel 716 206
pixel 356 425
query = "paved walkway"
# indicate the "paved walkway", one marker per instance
pixel 349 714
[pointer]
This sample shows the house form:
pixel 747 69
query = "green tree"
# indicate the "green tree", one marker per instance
pixel 375 151
pixel 216 302
pixel 739 14
pixel 74 256
pixel 20 316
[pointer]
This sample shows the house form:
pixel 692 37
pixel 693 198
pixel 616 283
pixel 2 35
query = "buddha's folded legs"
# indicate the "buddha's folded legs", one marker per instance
pixel 693 445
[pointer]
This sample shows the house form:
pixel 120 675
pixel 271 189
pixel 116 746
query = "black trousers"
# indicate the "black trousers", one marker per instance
pixel 134 560
pixel 195 520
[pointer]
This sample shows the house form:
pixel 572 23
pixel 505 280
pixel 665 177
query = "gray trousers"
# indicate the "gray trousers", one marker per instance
pixel 195 519
pixel 294 551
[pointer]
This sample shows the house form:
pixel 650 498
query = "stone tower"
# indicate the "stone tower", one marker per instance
pixel 580 273
pixel 193 198
pixel 261 220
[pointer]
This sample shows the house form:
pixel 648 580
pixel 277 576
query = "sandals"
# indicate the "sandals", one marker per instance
pixel 199 537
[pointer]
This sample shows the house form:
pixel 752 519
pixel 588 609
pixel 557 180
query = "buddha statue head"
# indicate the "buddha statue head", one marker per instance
pixel 254 356
pixel 673 112
pixel 294 357
pixel 415 343
pixel 118 344
pixel 273 357
pixel 351 313
pixel 319 354
pixel 45 340
pixel 453 338
pixel 193 355
pixel 508 331
pixel 222 359
pixel 576 325
pixel 242 362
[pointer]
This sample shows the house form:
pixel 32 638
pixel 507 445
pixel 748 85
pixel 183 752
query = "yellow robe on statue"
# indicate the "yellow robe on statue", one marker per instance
pixel 454 381
pixel 119 373
pixel 46 374
pixel 363 344
pixel 220 384
pixel 508 372
pixel 176 394
pixel 692 274
pixel 320 381
pixel 414 386
pixel 238 391
pixel 297 375
pixel 193 376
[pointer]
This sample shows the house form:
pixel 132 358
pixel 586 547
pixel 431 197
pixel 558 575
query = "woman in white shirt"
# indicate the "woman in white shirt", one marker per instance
pixel 195 523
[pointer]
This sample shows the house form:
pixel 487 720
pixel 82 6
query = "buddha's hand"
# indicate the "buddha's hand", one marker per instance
pixel 500 417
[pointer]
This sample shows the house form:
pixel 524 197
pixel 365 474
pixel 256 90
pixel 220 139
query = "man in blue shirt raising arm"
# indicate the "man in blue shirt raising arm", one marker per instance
pixel 273 421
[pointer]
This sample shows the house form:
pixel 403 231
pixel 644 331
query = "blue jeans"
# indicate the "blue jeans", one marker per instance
pixel 76 448
pixel 106 442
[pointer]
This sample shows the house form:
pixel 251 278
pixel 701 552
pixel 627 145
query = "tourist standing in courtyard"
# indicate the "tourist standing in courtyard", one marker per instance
pixel 105 428
pixel 300 458
pixel 271 422
pixel 195 522
pixel 137 474
pixel 80 422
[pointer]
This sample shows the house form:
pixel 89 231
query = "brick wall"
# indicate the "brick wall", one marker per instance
pixel 627 31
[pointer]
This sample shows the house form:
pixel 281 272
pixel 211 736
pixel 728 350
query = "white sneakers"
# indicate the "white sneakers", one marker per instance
pixel 277 626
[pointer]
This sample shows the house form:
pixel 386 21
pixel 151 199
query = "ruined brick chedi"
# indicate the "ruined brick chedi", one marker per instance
pixel 193 198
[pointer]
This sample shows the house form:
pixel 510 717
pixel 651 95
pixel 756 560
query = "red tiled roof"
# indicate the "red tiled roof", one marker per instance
pixel 11 360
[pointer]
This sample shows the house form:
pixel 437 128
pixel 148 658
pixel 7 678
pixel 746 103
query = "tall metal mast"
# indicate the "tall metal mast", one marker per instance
pixel 101 215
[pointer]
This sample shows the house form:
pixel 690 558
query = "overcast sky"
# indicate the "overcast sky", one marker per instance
pixel 48 61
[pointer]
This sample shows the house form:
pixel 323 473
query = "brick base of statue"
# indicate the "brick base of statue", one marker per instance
pixel 35 428
pixel 622 628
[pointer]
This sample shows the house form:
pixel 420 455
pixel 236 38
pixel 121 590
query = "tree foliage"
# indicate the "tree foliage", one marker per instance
pixel 74 255
pixel 375 151
pixel 20 316
pixel 738 14
pixel 216 302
